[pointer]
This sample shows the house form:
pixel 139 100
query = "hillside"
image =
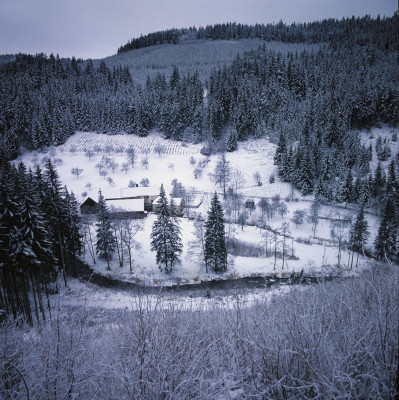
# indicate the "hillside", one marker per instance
pixel 199 55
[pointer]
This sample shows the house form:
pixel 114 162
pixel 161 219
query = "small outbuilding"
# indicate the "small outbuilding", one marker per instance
pixel 250 203
pixel 89 206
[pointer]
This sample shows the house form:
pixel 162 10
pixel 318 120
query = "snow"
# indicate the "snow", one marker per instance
pixel 126 204
pixel 315 255
pixel 79 294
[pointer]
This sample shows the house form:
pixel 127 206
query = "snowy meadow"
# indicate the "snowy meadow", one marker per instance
pixel 275 242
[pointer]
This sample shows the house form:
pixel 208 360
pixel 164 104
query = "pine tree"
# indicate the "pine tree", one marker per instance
pixel 73 236
pixel 359 233
pixel 165 236
pixel 281 149
pixel 231 144
pixel 215 243
pixel 55 209
pixel 105 245
pixel 386 242
pixel 346 194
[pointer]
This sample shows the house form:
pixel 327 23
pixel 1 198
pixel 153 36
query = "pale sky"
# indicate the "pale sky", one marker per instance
pixel 96 28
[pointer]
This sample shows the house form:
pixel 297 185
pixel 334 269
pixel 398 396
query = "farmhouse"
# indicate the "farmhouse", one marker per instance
pixel 118 208
pixel 126 208
pixel 178 205
pixel 148 194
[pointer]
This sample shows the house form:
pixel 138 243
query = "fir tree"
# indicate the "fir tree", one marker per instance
pixel 231 144
pixel 215 243
pixel 165 236
pixel 54 206
pixel 359 233
pixel 105 245
pixel 386 242
pixel 346 194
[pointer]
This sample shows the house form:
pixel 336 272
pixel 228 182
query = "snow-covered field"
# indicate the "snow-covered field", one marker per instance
pixel 315 254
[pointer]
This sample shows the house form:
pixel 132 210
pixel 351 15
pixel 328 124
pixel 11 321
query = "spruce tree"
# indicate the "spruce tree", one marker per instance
pixel 215 242
pixel 105 245
pixel 55 209
pixel 231 144
pixel 359 233
pixel 347 189
pixel 165 236
pixel 386 242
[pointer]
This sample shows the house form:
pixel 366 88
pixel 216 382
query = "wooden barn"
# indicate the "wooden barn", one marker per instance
pixel 118 208
pixel 89 206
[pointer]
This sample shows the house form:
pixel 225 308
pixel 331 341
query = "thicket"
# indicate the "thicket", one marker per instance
pixel 332 340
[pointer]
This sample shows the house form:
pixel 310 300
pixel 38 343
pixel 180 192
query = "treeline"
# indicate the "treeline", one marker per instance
pixel 347 31
pixel 45 99
pixel 39 232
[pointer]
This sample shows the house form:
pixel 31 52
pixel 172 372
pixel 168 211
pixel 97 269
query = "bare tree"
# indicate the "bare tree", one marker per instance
pixel 113 165
pixel 159 149
pixel 257 178
pixel 196 247
pixel 222 173
pixel 131 156
pixel 76 171
pixel 298 217
pixel 285 232
pixel 313 215
pixel 145 182
pixel 118 228
pixel 282 209
pixel 97 149
pixel 109 149
pixel 266 239
pixel 339 230
pixel 89 154
pixel 88 239
pixel 130 229
pixel 125 167
pixel 144 162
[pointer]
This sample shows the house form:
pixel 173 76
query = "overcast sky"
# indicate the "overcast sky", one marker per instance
pixel 96 28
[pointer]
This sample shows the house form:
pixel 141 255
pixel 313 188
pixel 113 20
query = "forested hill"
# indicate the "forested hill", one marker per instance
pixel 310 101
pixel 362 31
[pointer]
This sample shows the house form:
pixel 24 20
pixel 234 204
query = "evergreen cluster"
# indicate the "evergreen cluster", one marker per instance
pixel 366 30
pixel 39 233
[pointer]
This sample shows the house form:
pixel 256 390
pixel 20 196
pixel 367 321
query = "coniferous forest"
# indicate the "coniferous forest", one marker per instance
pixel 311 102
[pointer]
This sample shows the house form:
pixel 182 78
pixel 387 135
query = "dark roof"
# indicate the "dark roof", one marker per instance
pixel 89 202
